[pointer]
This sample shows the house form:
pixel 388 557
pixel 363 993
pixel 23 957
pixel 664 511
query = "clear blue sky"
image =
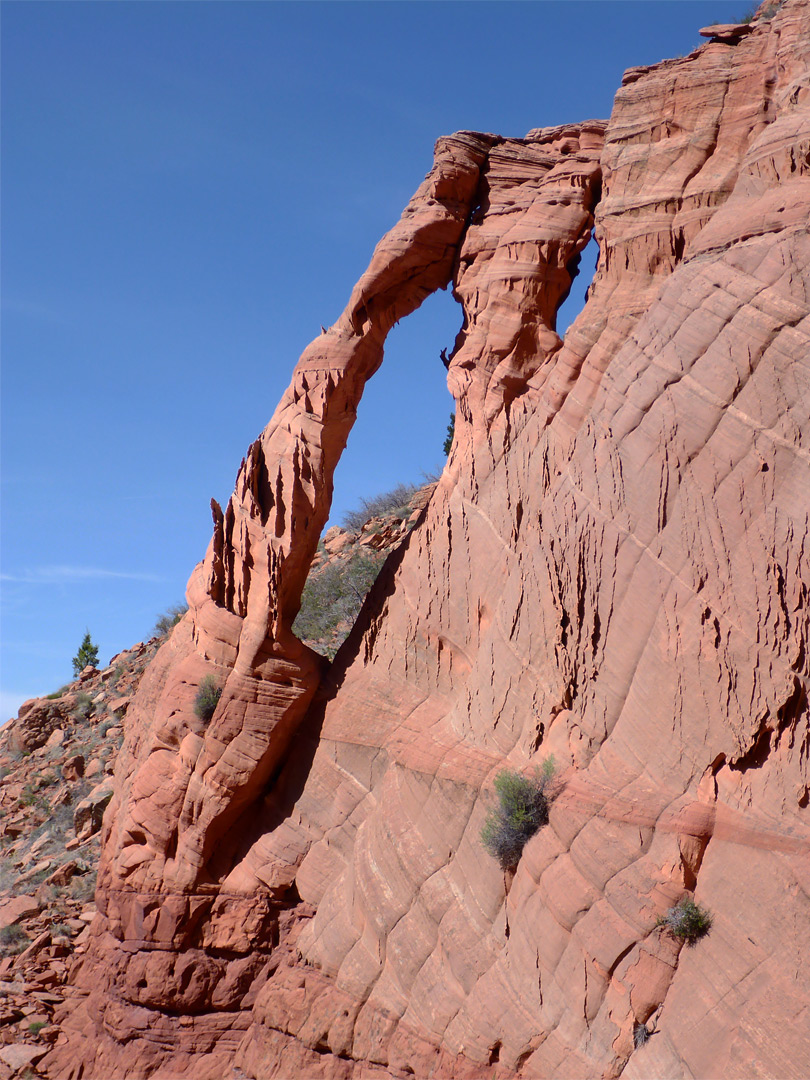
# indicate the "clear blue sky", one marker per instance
pixel 189 190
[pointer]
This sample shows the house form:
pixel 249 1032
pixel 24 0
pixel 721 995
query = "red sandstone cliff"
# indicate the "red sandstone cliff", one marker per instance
pixel 613 569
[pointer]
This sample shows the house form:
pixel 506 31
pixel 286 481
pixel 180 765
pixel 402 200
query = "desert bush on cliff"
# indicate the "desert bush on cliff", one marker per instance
pixel 84 706
pixel 688 921
pixel 522 810
pixel 641 1035
pixel 208 695
pixel 13 939
pixel 82 887
pixel 767 12
pixel 118 673
pixel 334 596
pixel 378 505
pixel 169 619
pixel 29 796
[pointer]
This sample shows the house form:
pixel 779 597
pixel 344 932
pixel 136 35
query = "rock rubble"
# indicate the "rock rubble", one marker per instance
pixel 51 807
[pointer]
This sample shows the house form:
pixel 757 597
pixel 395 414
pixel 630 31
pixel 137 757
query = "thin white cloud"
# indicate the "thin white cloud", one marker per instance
pixel 68 575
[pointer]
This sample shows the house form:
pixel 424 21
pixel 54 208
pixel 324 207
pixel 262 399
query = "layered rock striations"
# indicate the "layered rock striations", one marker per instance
pixel 613 569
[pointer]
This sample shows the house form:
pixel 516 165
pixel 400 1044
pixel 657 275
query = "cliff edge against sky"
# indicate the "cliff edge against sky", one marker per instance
pixel 613 569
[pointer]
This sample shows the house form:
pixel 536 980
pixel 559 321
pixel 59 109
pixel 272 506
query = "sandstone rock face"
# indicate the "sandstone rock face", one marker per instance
pixel 15 908
pixel 613 569
pixel 37 724
pixel 89 812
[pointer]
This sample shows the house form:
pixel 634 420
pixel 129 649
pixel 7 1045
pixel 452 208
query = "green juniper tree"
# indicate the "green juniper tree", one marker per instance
pixel 87 654
pixel 451 431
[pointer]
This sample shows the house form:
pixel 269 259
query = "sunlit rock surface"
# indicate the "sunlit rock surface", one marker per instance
pixel 613 569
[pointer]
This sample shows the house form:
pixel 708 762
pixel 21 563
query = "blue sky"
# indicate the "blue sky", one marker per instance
pixel 189 190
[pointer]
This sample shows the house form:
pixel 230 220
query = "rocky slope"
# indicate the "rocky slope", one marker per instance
pixel 57 764
pixel 612 569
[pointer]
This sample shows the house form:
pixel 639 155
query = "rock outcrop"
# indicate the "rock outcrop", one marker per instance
pixel 613 569
pixel 52 802
pixel 51 805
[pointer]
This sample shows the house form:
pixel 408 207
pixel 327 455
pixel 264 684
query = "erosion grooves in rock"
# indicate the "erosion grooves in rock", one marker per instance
pixel 613 569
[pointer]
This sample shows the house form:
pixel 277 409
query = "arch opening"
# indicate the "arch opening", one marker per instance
pixel 394 449
pixel 403 415
pixel 582 269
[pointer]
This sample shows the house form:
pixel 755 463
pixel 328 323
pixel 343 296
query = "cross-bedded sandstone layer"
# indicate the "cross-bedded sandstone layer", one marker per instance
pixel 613 569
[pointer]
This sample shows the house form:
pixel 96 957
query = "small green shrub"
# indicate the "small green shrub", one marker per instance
pixel 84 706
pixel 8 875
pixel 688 921
pixel 208 695
pixel 522 810
pixel 641 1034
pixel 28 796
pixel 13 939
pixel 168 620
pixel 36 1026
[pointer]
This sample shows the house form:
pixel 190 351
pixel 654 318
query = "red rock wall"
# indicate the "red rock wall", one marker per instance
pixel 613 569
